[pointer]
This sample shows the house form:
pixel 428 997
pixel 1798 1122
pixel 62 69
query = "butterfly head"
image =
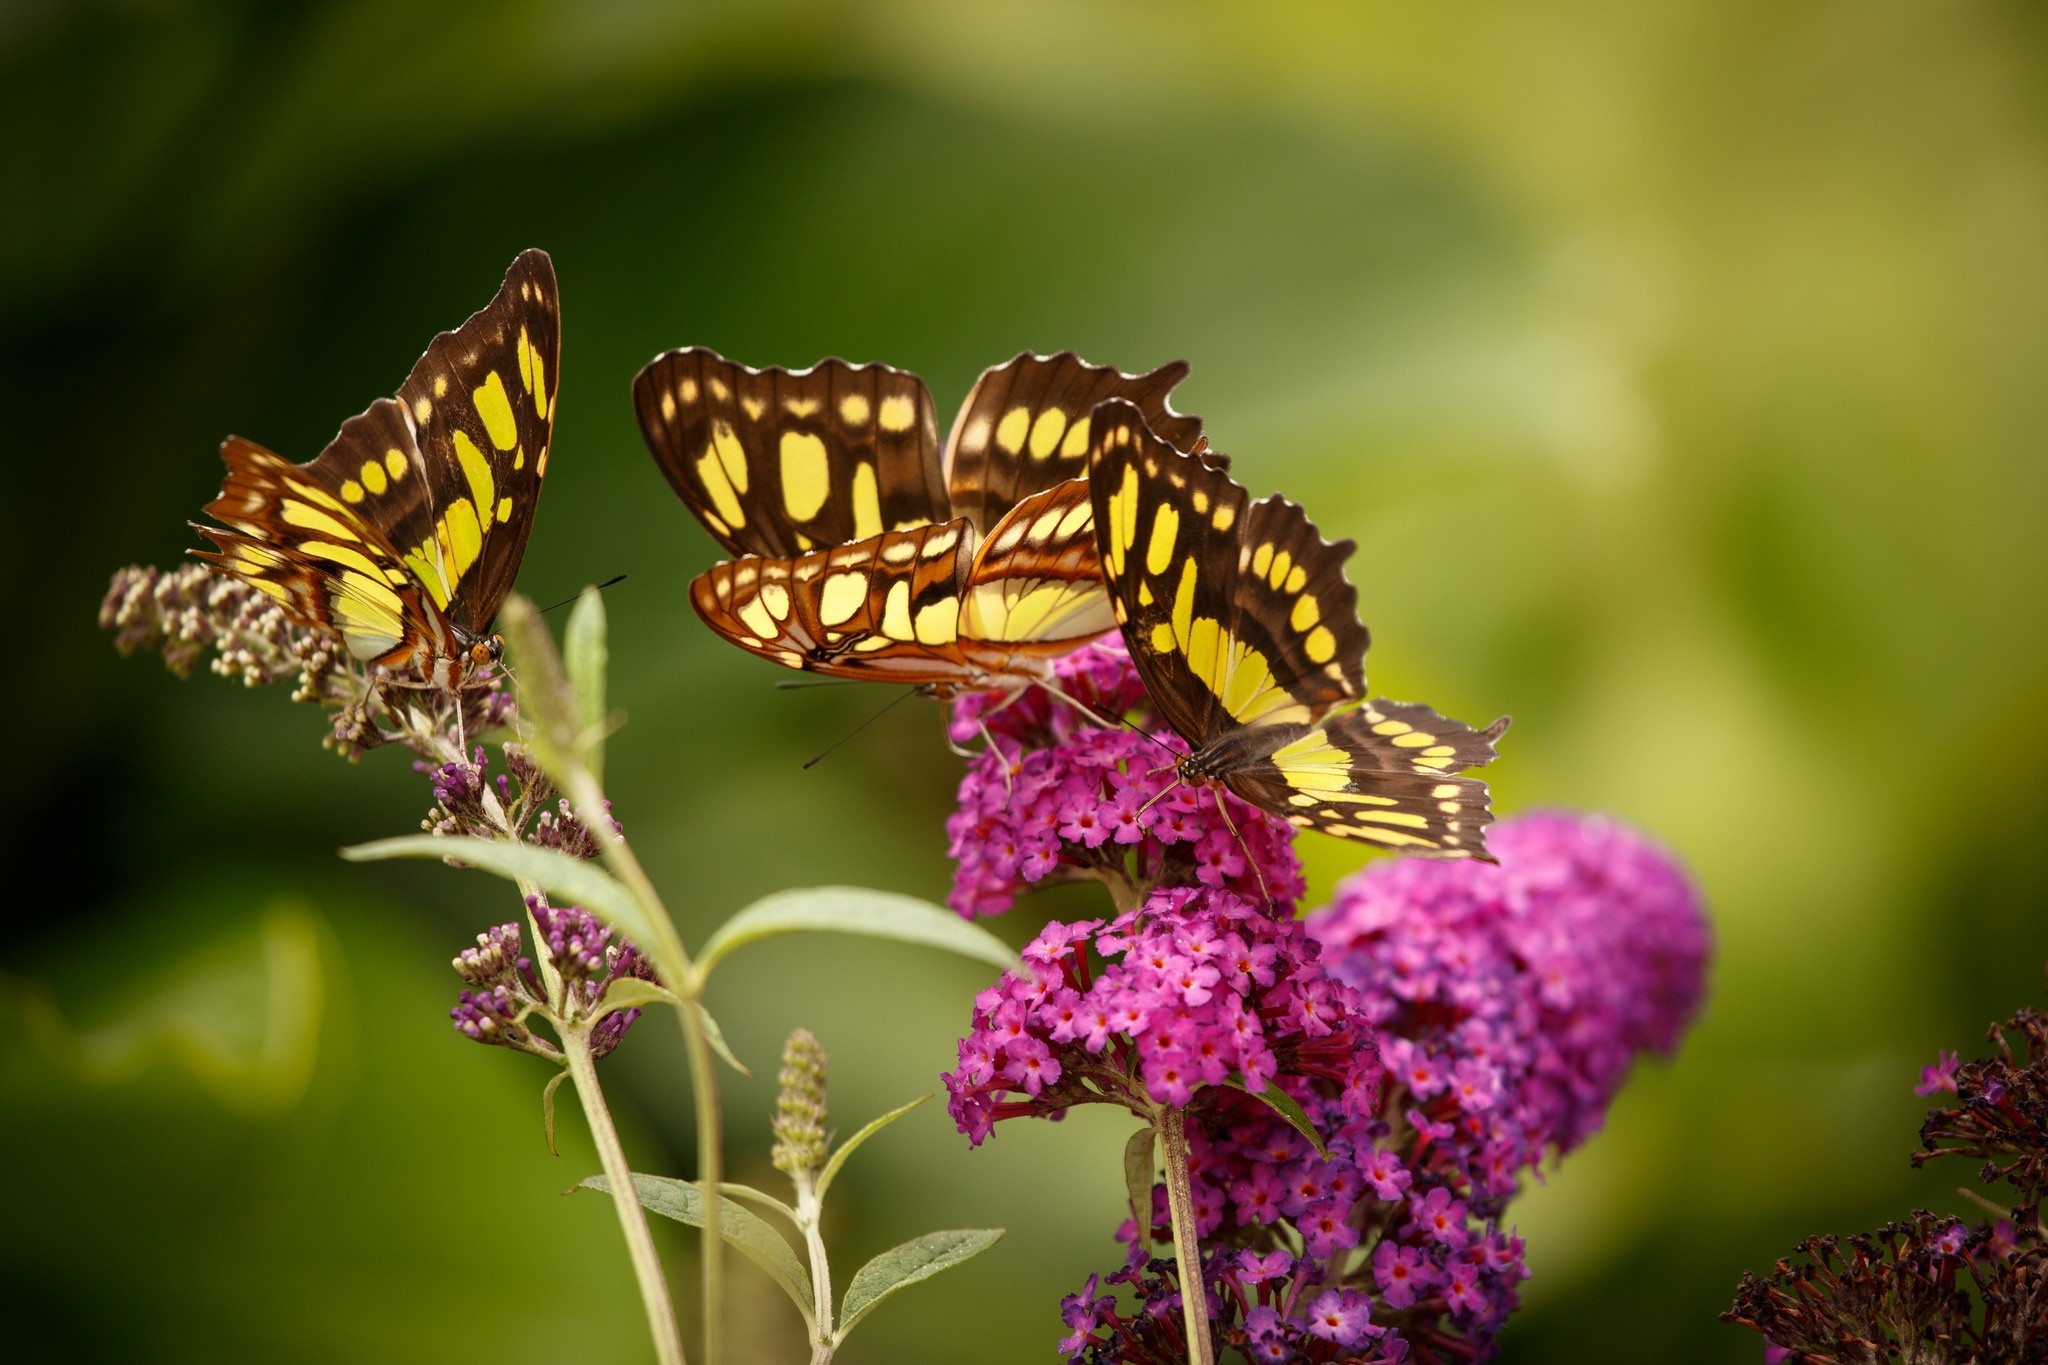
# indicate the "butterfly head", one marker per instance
pixel 474 652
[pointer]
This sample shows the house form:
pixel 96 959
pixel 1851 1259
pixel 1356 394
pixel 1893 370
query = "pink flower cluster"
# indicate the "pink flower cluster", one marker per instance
pixel 1514 998
pixel 1055 795
pixel 1194 988
pixel 1507 1004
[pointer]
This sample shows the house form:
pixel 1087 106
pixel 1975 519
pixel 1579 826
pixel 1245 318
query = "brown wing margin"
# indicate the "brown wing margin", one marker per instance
pixel 778 462
pixel 1025 427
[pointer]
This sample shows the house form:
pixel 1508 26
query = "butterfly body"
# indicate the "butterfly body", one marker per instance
pixel 1245 631
pixel 404 535
pixel 868 551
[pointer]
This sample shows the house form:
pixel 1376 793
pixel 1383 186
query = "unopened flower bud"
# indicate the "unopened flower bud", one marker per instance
pixel 799 1124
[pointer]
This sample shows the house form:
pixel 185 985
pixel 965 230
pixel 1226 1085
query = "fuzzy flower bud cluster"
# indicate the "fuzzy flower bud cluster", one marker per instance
pixel 801 1139
pixel 1055 795
pixel 506 989
pixel 1507 1004
pixel 187 611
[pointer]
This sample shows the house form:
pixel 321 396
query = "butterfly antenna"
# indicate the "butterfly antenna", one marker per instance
pixel 1103 718
pixel 886 708
pixel 1249 861
pixel 615 578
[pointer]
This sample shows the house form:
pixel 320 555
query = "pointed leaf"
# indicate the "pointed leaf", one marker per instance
pixel 715 1036
pixel 920 1258
pixel 567 880
pixel 1285 1106
pixel 846 1147
pixel 633 993
pixel 547 1107
pixel 761 1197
pixel 1138 1178
pixel 856 910
pixel 683 1200
pixel 585 657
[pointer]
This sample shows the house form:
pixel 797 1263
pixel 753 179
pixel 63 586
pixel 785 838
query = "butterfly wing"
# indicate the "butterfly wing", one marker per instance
pixel 1167 527
pixel 1247 636
pixel 780 463
pixel 883 609
pixel 1381 774
pixel 1025 427
pixel 318 557
pixel 481 402
pixel 418 511
pixel 1294 608
pixel 1035 588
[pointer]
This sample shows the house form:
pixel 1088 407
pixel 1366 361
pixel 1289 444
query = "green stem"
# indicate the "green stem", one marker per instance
pixel 710 1174
pixel 1180 1200
pixel 810 1218
pixel 588 801
pixel 661 1313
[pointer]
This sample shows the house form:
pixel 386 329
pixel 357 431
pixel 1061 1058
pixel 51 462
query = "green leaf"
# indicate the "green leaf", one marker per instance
pixel 683 1200
pixel 846 1147
pixel 547 1107
pixel 567 880
pixel 1284 1105
pixel 920 1258
pixel 715 1036
pixel 585 657
pixel 1138 1177
pixel 855 910
pixel 633 993
pixel 761 1197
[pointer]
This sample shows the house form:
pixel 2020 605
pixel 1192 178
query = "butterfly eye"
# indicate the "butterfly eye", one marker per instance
pixel 487 651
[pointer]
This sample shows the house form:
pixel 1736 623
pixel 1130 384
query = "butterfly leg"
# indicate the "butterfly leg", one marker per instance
pixel 1249 861
pixel 1054 690
pixel 988 738
pixel 461 725
pixel 1164 792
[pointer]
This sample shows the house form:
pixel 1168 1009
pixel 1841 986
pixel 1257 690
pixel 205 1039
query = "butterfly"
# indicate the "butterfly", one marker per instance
pixel 1246 634
pixel 405 533
pixel 865 549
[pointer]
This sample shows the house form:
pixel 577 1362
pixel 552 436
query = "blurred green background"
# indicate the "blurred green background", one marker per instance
pixel 1677 367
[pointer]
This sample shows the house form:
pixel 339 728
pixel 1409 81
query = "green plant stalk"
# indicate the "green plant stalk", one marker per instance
pixel 588 801
pixel 710 1171
pixel 810 1218
pixel 1171 1122
pixel 661 1313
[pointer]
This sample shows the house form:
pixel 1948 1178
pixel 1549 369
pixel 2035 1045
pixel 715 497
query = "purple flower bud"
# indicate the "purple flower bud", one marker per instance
pixel 494 961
